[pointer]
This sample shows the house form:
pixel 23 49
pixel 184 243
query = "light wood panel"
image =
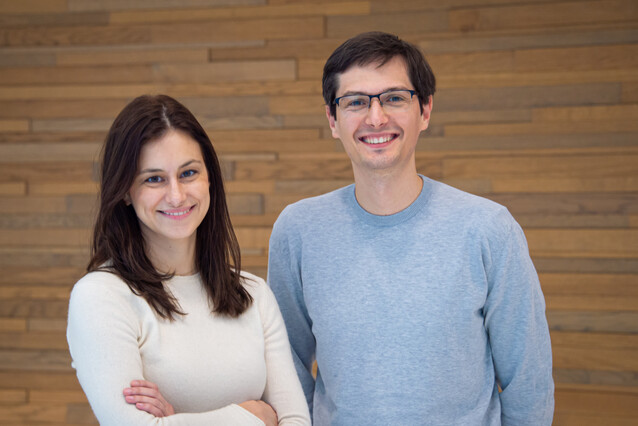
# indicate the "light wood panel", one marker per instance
pixel 536 108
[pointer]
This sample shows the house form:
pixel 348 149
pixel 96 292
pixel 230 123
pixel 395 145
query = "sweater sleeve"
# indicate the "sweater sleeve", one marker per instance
pixel 283 391
pixel 517 327
pixel 104 335
pixel 284 278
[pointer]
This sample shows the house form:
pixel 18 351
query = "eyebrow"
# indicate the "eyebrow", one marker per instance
pixel 389 89
pixel 186 164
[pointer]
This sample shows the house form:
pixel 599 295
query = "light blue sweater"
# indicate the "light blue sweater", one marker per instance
pixel 413 318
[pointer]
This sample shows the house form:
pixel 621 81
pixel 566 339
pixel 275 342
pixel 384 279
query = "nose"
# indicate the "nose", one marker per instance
pixel 176 194
pixel 376 116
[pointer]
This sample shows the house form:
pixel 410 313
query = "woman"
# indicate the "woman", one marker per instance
pixel 164 305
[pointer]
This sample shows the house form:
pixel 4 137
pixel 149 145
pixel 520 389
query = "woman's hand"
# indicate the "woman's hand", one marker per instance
pixel 263 411
pixel 147 397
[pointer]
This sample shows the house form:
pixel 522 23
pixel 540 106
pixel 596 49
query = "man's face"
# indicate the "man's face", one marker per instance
pixel 378 140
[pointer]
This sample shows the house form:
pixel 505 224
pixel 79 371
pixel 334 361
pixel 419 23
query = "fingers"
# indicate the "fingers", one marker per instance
pixel 147 397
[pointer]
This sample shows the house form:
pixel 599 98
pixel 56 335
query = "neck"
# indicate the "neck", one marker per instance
pixel 176 257
pixel 386 194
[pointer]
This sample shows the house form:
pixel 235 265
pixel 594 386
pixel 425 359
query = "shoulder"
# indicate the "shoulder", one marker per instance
pixel 314 212
pixel 99 284
pixel 259 290
pixel 460 204
pixel 315 206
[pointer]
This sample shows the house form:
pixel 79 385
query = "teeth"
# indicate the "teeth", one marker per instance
pixel 176 213
pixel 377 140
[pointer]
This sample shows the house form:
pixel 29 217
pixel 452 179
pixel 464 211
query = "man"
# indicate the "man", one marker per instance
pixel 417 301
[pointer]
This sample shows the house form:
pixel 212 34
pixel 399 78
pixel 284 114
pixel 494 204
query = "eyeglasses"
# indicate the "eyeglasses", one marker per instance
pixel 391 100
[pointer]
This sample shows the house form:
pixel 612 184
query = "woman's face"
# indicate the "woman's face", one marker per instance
pixel 170 192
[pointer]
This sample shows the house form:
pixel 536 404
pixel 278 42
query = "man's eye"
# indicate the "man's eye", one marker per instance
pixel 355 103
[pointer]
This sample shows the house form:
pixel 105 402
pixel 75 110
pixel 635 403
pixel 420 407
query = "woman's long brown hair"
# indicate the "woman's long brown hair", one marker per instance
pixel 118 244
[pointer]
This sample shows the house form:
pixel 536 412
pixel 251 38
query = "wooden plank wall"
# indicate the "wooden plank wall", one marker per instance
pixel 537 109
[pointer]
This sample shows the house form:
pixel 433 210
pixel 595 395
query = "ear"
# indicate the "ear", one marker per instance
pixel 127 199
pixel 425 116
pixel 332 122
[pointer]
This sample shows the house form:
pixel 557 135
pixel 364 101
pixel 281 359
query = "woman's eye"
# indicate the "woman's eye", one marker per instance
pixel 189 173
pixel 153 179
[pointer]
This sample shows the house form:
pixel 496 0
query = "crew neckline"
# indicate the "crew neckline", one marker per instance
pixel 396 218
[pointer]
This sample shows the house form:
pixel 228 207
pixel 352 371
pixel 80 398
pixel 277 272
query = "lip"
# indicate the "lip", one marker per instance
pixel 177 214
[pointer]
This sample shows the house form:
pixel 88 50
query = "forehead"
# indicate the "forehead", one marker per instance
pixel 174 145
pixel 374 78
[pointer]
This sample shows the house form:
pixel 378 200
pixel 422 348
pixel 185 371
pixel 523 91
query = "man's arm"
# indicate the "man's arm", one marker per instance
pixel 517 328
pixel 284 278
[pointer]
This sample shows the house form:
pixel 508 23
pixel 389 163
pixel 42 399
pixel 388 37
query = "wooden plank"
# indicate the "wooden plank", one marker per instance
pixel 615 243
pixel 12 396
pixel 66 124
pixel 35 152
pixel 75 75
pixel 245 204
pixel 33 6
pixel 526 97
pixel 404 23
pixel 590 284
pixel 253 237
pixel 586 113
pixel 33 205
pixel 51 171
pixel 542 15
pixel 115 5
pixel 62 188
pixel 226 71
pixel 33 340
pixel 596 401
pixel 61 108
pixel 579 203
pixel 593 358
pixel 290 170
pixel 12 58
pixel 124 91
pixel 49 275
pixel 62 397
pixel 33 309
pixel 471 62
pixel 192 32
pixel 548 166
pixel 14 125
pixel 605 322
pixel 147 55
pixel 80 413
pixel 524 38
pixel 560 184
pixel 48 324
pixel 572 376
pixel 318 49
pixel 346 8
pixel 592 303
pixel 13 188
pixel 53 19
pixel 578 58
pixel 548 221
pixel 629 92
pixel 297 105
pixel 12 324
pixel 31 412
pixel 535 78
pixel 48 360
pixel 537 129
pixel 44 237
pixel 48 292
